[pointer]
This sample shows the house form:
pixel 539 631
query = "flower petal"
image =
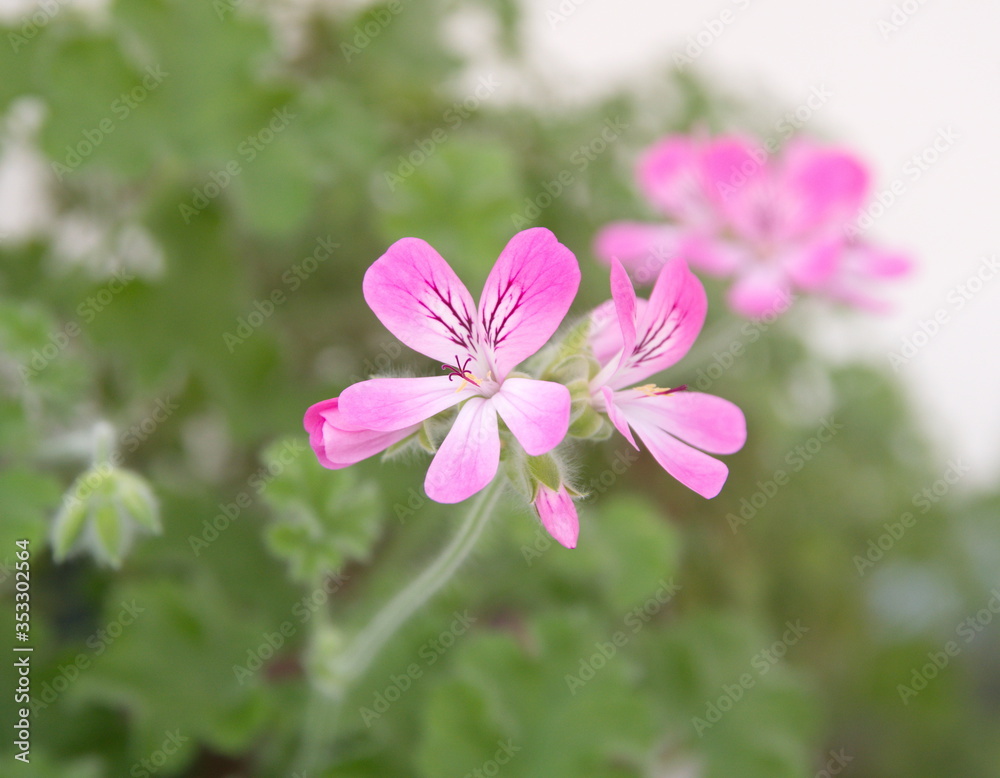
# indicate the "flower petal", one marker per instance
pixel 421 301
pixel 761 292
pixel 395 403
pixel 670 324
pixel 642 248
pixel 623 294
pixel 734 173
pixel 711 423
pixel 336 446
pixel 693 468
pixel 468 458
pixel 668 174
pixel 526 296
pixel 605 333
pixel 558 515
pixel 537 412
pixel 827 186
pixel 811 266
pixel 616 416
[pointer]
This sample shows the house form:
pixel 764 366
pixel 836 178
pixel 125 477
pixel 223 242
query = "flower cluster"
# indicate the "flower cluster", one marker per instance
pixel 483 410
pixel 772 223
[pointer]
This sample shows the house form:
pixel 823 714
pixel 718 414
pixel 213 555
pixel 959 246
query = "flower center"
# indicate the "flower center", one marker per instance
pixel 461 371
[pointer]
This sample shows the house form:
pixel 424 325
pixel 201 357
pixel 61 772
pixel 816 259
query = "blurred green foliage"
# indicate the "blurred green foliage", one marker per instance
pixel 238 146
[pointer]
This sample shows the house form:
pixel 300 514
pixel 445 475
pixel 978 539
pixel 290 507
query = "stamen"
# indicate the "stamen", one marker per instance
pixel 460 370
pixel 652 390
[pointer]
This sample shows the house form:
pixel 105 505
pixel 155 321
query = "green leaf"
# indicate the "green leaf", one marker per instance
pixel 68 527
pixel 109 528
pixel 137 500
pixel 524 704
pixel 323 518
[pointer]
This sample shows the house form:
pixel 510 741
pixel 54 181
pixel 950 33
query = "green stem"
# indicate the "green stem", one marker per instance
pixel 342 668
pixel 353 662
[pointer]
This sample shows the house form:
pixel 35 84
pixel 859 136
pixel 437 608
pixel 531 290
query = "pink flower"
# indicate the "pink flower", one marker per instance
pixel 558 514
pixel 649 337
pixel 773 223
pixel 418 297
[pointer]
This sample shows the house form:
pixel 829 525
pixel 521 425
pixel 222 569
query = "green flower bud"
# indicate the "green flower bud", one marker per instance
pixel 101 512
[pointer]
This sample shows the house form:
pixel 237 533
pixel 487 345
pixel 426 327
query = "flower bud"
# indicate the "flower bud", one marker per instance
pixel 101 512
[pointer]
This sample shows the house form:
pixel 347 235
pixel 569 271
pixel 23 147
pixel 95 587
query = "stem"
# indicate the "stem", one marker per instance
pixel 353 662
pixel 341 668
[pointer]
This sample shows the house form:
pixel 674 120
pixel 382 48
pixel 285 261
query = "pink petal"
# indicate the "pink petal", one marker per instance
pixel 395 403
pixel 623 294
pixel 734 170
pixel 761 292
pixel 605 333
pixel 537 412
pixel 668 174
pixel 828 186
pixel 526 296
pixel 558 515
pixel 468 458
pixel 716 256
pixel 695 469
pixel 874 262
pixel 669 325
pixel 812 266
pixel 703 420
pixel 616 416
pixel 336 445
pixel 421 301
pixel 642 248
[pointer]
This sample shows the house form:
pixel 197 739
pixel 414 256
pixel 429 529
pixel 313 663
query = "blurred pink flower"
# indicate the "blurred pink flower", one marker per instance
pixel 773 223
pixel 418 297
pixel 643 338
